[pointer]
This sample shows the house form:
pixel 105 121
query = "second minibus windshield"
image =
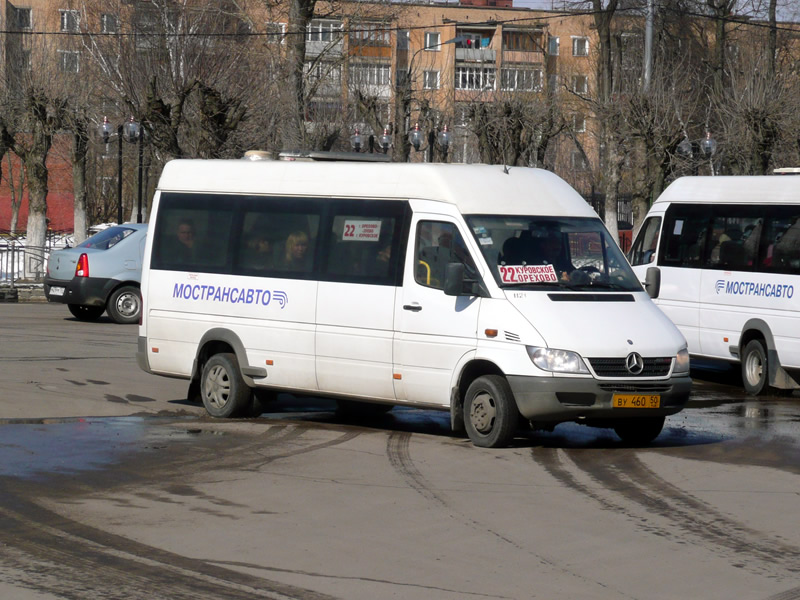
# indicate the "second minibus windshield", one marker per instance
pixel 547 252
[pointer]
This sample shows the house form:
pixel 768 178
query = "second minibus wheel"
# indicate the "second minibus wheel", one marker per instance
pixel 754 367
pixel 491 416
pixel 222 388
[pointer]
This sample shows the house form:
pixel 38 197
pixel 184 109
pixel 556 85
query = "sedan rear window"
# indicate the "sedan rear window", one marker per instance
pixel 108 238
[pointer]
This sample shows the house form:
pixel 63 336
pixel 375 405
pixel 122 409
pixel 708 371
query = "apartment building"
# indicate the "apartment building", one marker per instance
pixel 369 67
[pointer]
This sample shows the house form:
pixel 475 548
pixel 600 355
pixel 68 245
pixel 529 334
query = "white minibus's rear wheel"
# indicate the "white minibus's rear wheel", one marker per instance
pixel 754 368
pixel 491 417
pixel 224 392
pixel 639 431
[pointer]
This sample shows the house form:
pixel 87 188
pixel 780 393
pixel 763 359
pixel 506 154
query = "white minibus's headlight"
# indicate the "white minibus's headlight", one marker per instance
pixel 557 361
pixel 682 361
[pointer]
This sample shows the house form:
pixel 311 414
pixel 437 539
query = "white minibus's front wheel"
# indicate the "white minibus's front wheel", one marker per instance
pixel 491 416
pixel 754 367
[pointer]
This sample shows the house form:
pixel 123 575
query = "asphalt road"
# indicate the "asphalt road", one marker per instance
pixel 113 486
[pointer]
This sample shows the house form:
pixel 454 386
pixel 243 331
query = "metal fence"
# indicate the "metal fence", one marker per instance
pixel 20 261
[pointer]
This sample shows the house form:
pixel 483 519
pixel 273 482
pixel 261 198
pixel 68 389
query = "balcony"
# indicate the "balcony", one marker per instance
pixel 476 55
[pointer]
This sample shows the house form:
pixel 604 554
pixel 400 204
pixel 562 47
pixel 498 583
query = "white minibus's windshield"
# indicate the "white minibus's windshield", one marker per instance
pixel 575 253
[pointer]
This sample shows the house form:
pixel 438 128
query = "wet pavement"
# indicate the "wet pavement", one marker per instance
pixel 113 485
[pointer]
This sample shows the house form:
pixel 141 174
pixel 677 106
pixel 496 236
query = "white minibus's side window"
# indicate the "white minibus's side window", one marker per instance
pixel 643 250
pixel 193 234
pixel 684 235
pixel 231 234
pixel 733 237
pixel 276 240
pixel 438 244
pixel 365 244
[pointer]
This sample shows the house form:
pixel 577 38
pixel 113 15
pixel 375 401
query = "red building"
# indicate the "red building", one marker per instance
pixel 60 195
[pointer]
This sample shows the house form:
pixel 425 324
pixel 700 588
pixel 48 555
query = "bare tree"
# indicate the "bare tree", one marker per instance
pixel 32 110
pixel 184 69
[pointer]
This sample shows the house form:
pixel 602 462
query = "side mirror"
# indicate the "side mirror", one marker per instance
pixel 454 279
pixel 652 281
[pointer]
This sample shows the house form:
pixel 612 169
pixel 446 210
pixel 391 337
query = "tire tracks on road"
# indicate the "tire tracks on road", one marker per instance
pixel 620 482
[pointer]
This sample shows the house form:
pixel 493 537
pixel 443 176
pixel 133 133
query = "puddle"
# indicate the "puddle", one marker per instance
pixel 31 449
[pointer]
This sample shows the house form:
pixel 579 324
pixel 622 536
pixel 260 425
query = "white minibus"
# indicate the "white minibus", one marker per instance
pixel 493 293
pixel 721 258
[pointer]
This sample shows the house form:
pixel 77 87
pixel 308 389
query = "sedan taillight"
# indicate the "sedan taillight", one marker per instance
pixel 82 269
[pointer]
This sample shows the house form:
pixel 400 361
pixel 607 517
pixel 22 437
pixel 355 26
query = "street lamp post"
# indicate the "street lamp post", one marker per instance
pixel 704 148
pixel 131 132
pixel 709 148
pixel 403 96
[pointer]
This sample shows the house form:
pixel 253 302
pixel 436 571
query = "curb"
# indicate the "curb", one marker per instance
pixel 22 293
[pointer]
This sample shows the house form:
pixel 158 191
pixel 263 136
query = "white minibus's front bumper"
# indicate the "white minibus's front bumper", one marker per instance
pixel 547 401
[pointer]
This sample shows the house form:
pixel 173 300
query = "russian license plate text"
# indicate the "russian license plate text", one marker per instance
pixel 636 401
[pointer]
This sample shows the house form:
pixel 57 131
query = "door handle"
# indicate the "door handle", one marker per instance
pixel 412 307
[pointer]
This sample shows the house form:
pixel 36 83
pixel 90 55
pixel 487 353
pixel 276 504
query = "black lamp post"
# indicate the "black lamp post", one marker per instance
pixel 385 140
pixel 704 148
pixel 443 139
pixel 131 132
pixel 356 141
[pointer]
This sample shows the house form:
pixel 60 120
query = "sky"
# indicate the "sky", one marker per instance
pixel 788 10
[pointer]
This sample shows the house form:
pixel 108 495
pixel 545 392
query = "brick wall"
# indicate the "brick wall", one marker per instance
pixel 60 192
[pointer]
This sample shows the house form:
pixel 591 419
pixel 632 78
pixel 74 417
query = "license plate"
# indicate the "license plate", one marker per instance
pixel 636 401
pixel 56 291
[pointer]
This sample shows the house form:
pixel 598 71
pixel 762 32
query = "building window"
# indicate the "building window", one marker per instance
pixel 323 31
pixel 369 34
pixel 580 84
pixel 433 41
pixel 402 39
pixel 23 18
pixel 521 41
pixel 470 77
pixel 145 27
pixel 275 33
pixel 108 23
pixel 473 40
pixel 370 74
pixel 323 110
pixel 70 19
pixel 324 72
pixel 578 123
pixel 430 80
pixel 580 46
pixel 521 79
pixel 552 46
pixel 68 61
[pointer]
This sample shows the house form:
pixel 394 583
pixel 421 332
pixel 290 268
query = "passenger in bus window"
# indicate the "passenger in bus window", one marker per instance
pixel 297 256
pixel 258 252
pixel 183 247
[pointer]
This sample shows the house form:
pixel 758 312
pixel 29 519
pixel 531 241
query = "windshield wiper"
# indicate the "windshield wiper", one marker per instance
pixel 537 285
pixel 607 285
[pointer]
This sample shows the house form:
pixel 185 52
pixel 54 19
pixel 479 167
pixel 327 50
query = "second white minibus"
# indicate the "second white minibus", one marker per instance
pixel 721 258
pixel 493 293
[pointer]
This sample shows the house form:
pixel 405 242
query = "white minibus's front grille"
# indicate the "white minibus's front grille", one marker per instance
pixel 641 388
pixel 615 367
